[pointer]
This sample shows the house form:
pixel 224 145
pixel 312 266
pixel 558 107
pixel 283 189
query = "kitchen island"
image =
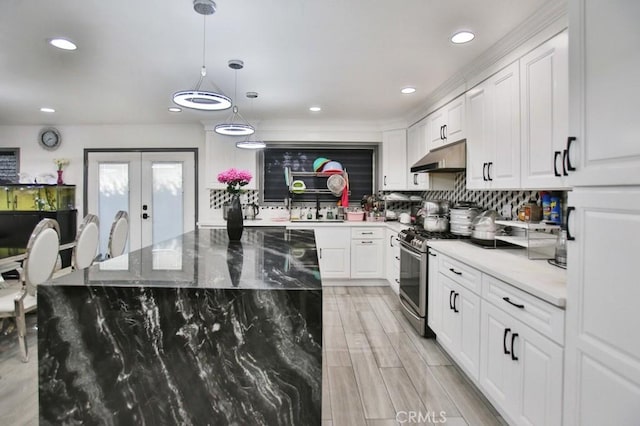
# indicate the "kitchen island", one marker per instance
pixel 194 330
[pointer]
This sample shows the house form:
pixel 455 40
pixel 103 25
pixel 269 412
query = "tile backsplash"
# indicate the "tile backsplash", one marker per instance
pixel 494 200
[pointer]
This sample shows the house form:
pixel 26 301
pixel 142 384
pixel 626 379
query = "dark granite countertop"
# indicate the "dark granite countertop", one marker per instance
pixel 269 258
pixel 187 332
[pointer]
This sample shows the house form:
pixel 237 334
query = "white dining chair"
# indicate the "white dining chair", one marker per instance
pixel 85 248
pixel 118 235
pixel 37 267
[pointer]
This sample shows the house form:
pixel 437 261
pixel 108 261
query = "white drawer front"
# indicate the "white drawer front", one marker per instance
pixel 367 233
pixel 536 313
pixel 461 273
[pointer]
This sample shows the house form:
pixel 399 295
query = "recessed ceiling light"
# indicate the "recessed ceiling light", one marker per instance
pixel 315 109
pixel 408 90
pixel 175 109
pixel 45 109
pixel 63 43
pixel 462 37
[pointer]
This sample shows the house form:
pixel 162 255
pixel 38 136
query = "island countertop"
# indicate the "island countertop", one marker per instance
pixel 270 258
pixel 190 331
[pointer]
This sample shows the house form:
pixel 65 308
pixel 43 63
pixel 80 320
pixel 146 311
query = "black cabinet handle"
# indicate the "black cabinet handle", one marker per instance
pixel 451 293
pixel 432 254
pixel 320 254
pixel 484 172
pixel 415 178
pixel 504 341
pixel 397 258
pixel 390 240
pixel 385 181
pixel 556 154
pixel 565 158
pixel 489 170
pixel 569 236
pixel 455 296
pixel 441 132
pixel 397 280
pixel 444 131
pixel 455 272
pixel 570 139
pixel 145 216
pixel 506 299
pixel 513 352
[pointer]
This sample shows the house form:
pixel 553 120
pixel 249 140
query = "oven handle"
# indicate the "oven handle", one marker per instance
pixel 408 308
pixel 409 251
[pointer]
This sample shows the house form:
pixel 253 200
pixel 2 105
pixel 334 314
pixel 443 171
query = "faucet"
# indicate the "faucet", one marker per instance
pixel 318 215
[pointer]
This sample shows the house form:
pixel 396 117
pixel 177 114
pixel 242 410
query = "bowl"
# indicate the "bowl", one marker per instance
pixel 319 163
pixel 298 187
pixel 332 167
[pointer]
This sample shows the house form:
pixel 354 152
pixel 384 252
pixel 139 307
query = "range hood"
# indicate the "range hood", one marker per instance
pixel 448 159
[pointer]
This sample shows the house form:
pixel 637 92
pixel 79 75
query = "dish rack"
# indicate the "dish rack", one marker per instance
pixel 537 238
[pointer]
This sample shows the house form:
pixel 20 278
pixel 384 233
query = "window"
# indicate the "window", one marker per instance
pixel 9 165
pixel 357 161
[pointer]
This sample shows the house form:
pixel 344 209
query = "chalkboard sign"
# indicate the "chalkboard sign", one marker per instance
pixel 9 165
pixel 357 162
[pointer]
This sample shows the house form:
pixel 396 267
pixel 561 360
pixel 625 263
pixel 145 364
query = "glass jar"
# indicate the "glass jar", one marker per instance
pixel 561 248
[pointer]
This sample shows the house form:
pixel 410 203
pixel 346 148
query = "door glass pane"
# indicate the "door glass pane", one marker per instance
pixel 113 184
pixel 167 200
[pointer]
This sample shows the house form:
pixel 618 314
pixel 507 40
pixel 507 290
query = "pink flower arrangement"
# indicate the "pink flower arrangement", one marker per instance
pixel 235 179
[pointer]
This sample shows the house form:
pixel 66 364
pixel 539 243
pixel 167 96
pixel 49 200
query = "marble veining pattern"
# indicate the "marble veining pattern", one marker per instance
pixel 225 335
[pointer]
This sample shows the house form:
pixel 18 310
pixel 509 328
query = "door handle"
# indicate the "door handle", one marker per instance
pixel 441 128
pixel 569 236
pixel 506 299
pixel 455 272
pixel 451 293
pixel 385 181
pixel 489 170
pixel 432 254
pixel 415 178
pixel 484 172
pixel 397 258
pixel 504 341
pixel 444 132
pixel 145 216
pixel 513 352
pixel 565 158
pixel 556 154
pixel 455 296
pixel 570 167
pixel 320 254
pixel 390 240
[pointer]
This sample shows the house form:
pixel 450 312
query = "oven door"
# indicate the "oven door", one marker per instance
pixel 413 279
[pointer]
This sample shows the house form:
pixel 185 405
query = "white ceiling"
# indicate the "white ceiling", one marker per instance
pixel 351 57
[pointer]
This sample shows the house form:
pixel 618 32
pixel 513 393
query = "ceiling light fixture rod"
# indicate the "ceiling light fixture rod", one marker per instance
pixel 235 125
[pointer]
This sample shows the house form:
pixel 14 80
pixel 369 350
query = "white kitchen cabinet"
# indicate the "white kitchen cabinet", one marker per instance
pixel 416 149
pixel 520 370
pixel 367 253
pixel 334 251
pixel 434 293
pixel 221 154
pixel 493 131
pixel 392 255
pixel 604 91
pixel 544 94
pixel 602 364
pixel 394 160
pixel 447 124
pixel 460 327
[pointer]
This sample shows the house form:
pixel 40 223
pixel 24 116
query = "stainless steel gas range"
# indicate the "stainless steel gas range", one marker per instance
pixel 414 275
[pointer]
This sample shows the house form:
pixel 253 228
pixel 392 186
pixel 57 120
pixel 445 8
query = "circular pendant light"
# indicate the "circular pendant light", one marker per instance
pixel 235 125
pixel 198 98
pixel 251 144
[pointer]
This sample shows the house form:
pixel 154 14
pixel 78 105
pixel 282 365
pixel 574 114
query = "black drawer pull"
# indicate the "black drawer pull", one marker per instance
pixel 455 272
pixel 506 299
pixel 455 296
pixel 504 341
pixel 556 154
pixel 513 351
pixel 451 293
pixel 432 254
pixel 569 236
pixel 484 172
pixel 565 158
pixel 489 164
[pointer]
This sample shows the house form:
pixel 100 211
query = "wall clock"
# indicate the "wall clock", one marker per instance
pixel 49 138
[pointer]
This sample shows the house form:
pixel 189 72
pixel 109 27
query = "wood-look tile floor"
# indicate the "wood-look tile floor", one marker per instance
pixel 376 370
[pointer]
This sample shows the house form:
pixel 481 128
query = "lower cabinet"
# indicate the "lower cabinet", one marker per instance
pixel 392 264
pixel 334 252
pixel 367 253
pixel 460 327
pixel 520 370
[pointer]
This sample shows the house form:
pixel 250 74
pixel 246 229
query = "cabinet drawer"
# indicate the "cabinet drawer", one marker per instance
pixel 536 313
pixel 459 272
pixel 367 233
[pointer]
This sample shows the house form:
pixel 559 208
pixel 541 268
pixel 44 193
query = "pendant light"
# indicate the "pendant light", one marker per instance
pixel 235 125
pixel 251 142
pixel 198 98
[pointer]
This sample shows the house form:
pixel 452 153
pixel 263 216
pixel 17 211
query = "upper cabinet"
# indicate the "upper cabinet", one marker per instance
pixel 493 131
pixel 221 154
pixel 544 95
pixel 416 149
pixel 394 160
pixel 604 91
pixel 447 124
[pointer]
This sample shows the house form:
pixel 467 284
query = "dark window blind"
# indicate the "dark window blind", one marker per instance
pixel 357 162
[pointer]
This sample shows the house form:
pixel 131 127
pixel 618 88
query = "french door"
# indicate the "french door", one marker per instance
pixel 157 189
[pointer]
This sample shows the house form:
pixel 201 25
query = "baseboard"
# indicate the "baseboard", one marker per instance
pixel 331 282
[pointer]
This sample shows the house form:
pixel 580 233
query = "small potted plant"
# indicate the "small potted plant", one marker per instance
pixel 61 163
